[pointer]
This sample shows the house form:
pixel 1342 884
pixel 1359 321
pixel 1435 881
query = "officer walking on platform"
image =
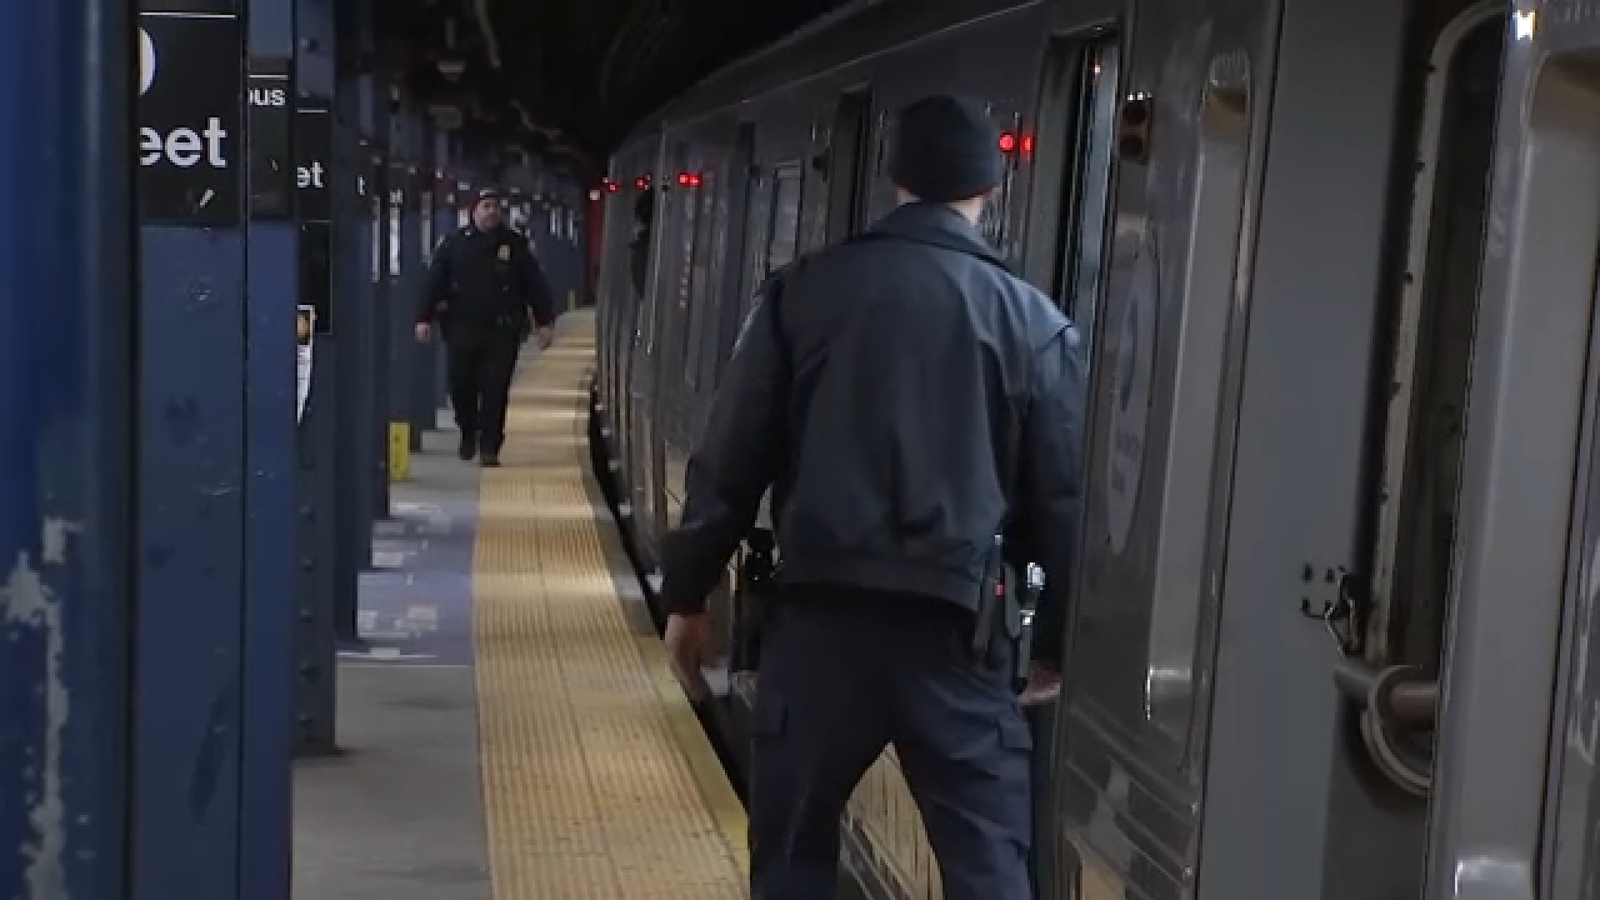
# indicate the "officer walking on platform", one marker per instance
pixel 482 288
pixel 917 412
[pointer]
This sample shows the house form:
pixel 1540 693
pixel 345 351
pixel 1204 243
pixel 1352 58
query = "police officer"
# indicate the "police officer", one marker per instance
pixel 482 288
pixel 916 410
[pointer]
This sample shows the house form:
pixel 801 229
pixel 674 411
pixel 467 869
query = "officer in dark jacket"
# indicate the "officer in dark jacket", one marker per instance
pixel 482 288
pixel 908 400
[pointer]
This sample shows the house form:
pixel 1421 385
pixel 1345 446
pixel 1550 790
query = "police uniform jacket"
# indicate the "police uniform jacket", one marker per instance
pixel 483 278
pixel 894 390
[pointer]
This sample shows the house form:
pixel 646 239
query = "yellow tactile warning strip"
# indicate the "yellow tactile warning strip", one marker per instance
pixel 598 780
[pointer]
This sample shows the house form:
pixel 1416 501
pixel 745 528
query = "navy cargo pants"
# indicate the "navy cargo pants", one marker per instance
pixel 845 672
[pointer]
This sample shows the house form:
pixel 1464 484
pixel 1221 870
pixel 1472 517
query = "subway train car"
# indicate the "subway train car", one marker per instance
pixel 1330 635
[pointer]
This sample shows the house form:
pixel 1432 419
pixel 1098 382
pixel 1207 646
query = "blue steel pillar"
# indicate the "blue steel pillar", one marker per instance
pixel 424 365
pixel 408 170
pixel 445 206
pixel 317 496
pixel 67 316
pixel 354 264
pixel 375 115
pixel 271 296
pixel 192 478
pixel 405 232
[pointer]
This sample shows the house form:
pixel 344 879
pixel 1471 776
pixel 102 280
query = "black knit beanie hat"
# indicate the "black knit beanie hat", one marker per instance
pixel 946 150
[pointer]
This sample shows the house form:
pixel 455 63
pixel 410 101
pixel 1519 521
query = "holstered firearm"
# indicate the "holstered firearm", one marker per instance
pixel 1006 609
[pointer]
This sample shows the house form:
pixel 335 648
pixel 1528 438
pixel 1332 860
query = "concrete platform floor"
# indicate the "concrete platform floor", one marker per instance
pixel 398 814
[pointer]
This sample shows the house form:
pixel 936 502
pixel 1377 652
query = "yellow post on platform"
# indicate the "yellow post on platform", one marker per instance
pixel 399 451
pixel 572 300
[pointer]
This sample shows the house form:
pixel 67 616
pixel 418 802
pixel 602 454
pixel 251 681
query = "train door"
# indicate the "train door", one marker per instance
pixel 848 174
pixel 696 249
pixel 782 247
pixel 631 331
pixel 611 293
pixel 1154 232
pixel 1343 742
pixel 649 462
pixel 1514 791
pixel 710 248
pixel 1070 145
pixel 783 244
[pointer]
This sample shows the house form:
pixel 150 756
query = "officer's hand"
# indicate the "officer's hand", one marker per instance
pixel 1044 685
pixel 424 332
pixel 545 336
pixel 688 641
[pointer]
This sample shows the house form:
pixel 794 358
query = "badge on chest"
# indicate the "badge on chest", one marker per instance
pixel 505 253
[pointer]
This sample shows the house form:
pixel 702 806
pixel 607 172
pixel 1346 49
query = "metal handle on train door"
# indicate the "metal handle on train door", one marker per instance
pixel 1392 701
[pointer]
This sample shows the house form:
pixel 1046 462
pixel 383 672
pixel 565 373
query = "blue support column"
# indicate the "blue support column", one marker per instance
pixel 67 315
pixel 376 100
pixel 191 475
pixel 446 204
pixel 354 265
pixel 403 231
pixel 318 535
pixel 424 365
pixel 271 295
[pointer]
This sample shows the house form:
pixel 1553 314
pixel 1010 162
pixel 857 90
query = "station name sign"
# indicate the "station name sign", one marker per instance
pixel 313 140
pixel 271 100
pixel 313 149
pixel 190 144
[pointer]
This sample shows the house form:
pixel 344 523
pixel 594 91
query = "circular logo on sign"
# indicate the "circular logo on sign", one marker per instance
pixel 147 62
pixel 1130 400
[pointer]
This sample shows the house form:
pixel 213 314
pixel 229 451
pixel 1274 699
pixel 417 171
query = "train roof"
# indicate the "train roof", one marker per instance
pixel 848 35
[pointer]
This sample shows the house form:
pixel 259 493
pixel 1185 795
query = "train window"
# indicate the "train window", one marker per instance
pixel 993 224
pixel 1417 500
pixel 847 169
pixel 784 242
pixel 688 207
pixel 701 274
pixel 1080 275
pixel 746 236
pixel 758 224
pixel 644 214
pixel 1185 542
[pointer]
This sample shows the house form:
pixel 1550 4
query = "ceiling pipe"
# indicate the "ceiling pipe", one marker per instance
pixel 625 32
pixel 480 9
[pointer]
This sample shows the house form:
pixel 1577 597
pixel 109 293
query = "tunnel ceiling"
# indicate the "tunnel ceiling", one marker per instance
pixel 567 79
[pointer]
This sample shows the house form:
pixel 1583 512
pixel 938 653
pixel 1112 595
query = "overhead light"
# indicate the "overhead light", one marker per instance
pixel 452 68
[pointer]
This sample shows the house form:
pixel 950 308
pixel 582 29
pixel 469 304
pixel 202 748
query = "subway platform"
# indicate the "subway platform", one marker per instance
pixel 510 730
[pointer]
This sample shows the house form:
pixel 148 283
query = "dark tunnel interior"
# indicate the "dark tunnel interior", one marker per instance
pixel 566 79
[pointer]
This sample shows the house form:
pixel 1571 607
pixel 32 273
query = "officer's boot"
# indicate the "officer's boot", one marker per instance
pixel 469 446
pixel 491 454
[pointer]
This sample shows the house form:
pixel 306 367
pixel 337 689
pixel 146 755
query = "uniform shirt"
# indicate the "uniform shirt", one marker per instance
pixel 907 400
pixel 481 277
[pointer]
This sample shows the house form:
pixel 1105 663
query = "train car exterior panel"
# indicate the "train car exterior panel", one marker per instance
pixel 1513 812
pixel 1560 35
pixel 1308 457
